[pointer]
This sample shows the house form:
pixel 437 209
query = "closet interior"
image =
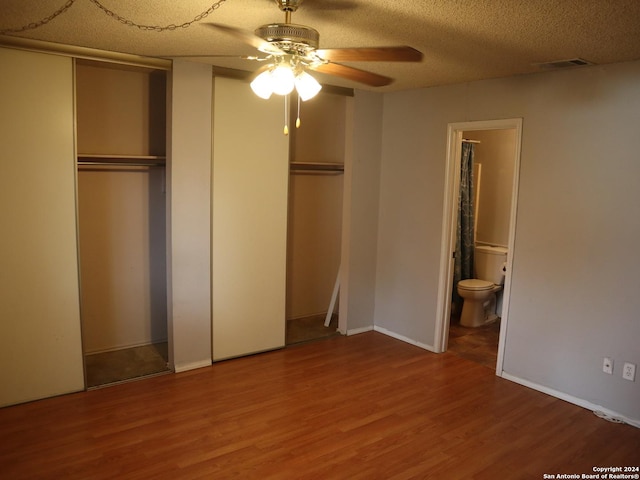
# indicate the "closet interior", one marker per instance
pixel 121 136
pixel 317 151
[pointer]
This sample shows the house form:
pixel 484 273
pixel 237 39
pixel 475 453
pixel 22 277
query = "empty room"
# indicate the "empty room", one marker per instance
pixel 319 239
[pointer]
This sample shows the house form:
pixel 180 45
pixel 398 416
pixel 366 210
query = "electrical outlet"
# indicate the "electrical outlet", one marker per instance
pixel 607 365
pixel 629 371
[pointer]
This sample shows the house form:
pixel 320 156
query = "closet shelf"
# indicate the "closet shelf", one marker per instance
pixel 133 160
pixel 317 167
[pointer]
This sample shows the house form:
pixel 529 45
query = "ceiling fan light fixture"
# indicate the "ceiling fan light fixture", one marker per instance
pixel 262 85
pixel 306 86
pixel 282 80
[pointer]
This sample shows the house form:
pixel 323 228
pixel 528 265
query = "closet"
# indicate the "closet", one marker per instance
pixel 121 189
pixel 317 151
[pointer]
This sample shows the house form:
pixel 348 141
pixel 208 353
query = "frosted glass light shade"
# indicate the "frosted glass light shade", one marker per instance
pixel 261 85
pixel 282 80
pixel 307 86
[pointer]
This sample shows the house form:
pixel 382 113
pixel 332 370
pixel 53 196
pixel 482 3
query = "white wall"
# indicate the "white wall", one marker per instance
pixel 573 297
pixel 40 344
pixel 189 219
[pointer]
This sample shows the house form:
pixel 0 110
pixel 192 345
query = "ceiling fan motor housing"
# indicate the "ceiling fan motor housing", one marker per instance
pixel 288 5
pixel 289 37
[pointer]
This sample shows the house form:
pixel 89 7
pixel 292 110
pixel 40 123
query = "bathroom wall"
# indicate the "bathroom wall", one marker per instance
pixel 495 153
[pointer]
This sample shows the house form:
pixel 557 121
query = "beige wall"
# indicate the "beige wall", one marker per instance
pixel 121 220
pixel 40 344
pixel 321 136
pixel 120 110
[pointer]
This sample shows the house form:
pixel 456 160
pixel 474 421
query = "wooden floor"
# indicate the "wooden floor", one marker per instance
pixel 479 344
pixel 360 407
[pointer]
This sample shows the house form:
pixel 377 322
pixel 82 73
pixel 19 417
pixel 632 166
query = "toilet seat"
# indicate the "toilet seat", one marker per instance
pixel 475 284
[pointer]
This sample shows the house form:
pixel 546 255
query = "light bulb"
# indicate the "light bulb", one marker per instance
pixel 282 80
pixel 261 85
pixel 307 86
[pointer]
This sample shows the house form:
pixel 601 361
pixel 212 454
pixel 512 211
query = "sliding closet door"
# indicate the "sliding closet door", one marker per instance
pixel 40 343
pixel 250 178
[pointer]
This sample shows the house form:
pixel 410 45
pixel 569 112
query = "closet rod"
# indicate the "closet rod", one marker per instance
pixel 121 160
pixel 317 167
pixel 471 141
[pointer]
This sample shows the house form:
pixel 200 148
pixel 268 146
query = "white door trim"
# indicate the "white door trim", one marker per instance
pixel 452 180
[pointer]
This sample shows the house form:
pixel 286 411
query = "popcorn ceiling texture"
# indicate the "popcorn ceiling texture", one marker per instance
pixel 462 40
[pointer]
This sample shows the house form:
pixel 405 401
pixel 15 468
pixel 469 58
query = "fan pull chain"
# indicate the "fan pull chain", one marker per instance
pixel 286 115
pixel 298 119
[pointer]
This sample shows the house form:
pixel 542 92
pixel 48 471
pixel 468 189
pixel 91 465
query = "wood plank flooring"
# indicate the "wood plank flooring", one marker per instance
pixel 360 407
pixel 479 344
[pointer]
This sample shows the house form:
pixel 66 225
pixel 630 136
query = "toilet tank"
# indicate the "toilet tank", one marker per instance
pixel 489 263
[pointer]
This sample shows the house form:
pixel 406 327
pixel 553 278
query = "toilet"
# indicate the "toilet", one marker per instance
pixel 479 294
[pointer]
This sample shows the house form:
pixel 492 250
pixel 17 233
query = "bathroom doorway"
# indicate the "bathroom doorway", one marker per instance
pixel 497 150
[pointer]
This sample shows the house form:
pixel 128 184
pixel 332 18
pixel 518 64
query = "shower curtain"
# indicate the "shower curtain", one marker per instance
pixel 465 235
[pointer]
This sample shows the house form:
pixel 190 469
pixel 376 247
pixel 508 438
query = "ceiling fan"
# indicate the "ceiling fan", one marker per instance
pixel 288 46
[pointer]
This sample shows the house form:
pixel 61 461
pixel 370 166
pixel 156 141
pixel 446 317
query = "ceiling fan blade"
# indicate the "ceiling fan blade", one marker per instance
pixel 247 37
pixel 350 73
pixel 371 54
pixel 241 57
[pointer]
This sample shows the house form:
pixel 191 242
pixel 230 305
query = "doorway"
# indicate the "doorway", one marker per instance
pixel 498 231
pixel 121 232
pixel 121 219
pixel 314 240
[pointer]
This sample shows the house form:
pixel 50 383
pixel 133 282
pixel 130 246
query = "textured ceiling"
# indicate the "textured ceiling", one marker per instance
pixel 462 40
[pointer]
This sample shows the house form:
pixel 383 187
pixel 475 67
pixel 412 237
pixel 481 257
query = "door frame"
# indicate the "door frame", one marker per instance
pixel 452 181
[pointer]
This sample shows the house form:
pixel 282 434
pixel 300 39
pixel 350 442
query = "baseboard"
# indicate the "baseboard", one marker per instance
pixel 571 399
pixel 430 348
pixel 192 366
pixel 356 331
